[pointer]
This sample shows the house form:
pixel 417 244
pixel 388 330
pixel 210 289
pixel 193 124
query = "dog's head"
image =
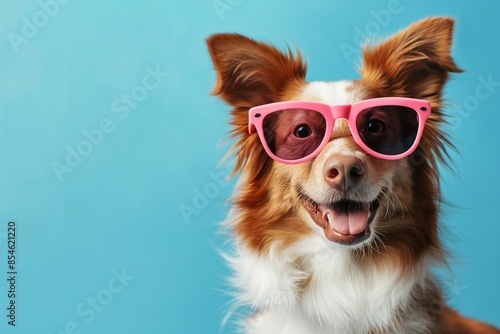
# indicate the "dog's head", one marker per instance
pixel 347 197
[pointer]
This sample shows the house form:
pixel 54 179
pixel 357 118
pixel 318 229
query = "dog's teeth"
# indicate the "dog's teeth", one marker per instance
pixel 327 216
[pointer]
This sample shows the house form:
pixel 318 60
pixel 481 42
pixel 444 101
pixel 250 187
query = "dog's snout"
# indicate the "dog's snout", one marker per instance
pixel 343 172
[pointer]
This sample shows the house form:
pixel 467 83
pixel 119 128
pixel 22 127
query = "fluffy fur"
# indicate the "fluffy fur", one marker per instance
pixel 295 279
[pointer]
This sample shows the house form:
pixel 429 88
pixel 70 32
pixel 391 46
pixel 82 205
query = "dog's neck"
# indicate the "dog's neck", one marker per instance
pixel 312 286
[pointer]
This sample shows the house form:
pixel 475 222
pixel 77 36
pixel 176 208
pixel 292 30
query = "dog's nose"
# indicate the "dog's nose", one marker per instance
pixel 343 172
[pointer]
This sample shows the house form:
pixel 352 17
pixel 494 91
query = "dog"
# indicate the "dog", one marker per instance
pixel 335 216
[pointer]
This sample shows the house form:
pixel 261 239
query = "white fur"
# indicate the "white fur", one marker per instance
pixel 341 297
pixel 338 92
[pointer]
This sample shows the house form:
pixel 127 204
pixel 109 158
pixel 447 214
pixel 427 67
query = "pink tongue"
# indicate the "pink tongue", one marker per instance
pixel 351 222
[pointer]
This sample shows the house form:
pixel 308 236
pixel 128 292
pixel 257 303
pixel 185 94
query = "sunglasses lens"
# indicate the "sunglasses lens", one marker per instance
pixel 293 134
pixel 389 130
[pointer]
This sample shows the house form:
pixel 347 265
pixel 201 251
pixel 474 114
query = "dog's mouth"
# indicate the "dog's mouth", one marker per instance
pixel 346 222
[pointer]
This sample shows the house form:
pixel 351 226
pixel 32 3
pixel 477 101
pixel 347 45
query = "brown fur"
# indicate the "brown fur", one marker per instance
pixel 414 63
pixel 250 74
pixel 453 322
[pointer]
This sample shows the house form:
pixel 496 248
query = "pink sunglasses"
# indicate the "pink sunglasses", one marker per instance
pixel 293 132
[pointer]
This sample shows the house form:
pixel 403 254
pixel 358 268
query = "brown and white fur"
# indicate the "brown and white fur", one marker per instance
pixel 296 279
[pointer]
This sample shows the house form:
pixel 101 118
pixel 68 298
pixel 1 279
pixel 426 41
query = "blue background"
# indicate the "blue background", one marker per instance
pixel 120 208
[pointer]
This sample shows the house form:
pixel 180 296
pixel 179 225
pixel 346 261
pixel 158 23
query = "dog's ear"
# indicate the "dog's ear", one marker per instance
pixel 413 63
pixel 251 73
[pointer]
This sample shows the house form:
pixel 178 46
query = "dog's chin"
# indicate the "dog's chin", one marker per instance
pixel 345 222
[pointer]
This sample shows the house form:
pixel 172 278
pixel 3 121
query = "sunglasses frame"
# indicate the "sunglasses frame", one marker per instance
pixel 350 112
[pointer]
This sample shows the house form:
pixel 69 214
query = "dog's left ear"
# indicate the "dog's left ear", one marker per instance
pixel 414 63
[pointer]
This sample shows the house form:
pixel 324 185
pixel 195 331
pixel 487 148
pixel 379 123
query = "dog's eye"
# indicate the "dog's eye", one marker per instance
pixel 302 131
pixel 375 126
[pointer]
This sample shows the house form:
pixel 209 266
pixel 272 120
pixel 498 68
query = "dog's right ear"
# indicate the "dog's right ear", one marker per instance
pixel 252 73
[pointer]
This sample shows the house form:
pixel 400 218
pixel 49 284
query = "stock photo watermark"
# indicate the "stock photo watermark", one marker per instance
pixel 88 309
pixel 204 194
pixel 11 273
pixel 32 24
pixel 380 19
pixel 483 91
pixel 221 7
pixel 121 108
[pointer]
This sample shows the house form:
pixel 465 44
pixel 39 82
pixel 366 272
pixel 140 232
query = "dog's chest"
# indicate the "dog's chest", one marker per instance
pixel 328 294
pixel 342 293
pixel 354 299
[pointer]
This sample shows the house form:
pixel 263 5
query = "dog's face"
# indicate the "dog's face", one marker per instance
pixel 340 190
pixel 345 196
